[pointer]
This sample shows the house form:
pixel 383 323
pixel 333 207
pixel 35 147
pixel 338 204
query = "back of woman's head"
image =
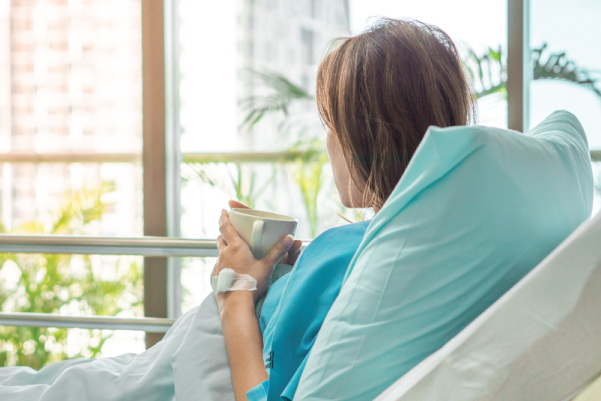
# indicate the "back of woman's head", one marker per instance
pixel 378 93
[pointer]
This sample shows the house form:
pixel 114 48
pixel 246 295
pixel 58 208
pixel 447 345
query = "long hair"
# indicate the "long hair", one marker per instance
pixel 378 92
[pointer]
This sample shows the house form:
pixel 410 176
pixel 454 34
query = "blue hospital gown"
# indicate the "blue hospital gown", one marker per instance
pixel 296 306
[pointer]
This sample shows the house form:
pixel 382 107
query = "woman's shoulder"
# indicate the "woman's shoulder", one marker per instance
pixel 346 237
pixel 346 229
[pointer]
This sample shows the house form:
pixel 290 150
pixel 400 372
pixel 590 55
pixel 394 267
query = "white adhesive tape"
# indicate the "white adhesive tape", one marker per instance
pixel 229 280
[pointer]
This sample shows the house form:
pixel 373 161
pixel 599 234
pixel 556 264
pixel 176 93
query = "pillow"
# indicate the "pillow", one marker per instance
pixel 476 209
pixel 540 341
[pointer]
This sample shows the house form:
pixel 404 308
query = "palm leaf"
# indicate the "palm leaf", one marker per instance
pixel 558 66
pixel 283 93
pixel 488 72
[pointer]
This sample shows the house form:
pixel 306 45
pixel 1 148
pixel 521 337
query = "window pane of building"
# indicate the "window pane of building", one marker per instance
pixel 70 145
pixel 70 84
pixel 565 39
pixel 194 279
pixel 475 25
pixel 231 101
pixel 261 44
pixel 40 346
pixel 73 285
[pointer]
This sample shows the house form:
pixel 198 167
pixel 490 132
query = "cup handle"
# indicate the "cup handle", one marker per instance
pixel 257 238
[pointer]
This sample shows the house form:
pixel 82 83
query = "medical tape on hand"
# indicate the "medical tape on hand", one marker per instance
pixel 229 280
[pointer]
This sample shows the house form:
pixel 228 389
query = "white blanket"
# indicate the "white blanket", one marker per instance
pixel 190 363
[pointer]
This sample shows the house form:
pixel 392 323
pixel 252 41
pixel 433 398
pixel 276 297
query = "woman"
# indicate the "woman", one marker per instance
pixel 377 94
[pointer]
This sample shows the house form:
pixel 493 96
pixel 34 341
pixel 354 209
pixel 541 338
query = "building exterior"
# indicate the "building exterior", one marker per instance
pixel 288 38
pixel 70 83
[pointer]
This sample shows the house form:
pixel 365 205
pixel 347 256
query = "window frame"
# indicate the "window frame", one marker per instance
pixel 161 159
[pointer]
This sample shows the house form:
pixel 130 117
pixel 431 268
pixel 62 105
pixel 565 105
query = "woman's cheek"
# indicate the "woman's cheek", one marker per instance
pixel 339 170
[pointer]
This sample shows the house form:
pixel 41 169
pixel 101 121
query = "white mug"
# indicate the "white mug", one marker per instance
pixel 261 230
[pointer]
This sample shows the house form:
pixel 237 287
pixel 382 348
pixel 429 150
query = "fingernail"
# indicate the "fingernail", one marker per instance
pixel 288 240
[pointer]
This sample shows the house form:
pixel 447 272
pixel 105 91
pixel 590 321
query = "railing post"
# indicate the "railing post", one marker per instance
pixel 153 158
pixel 519 67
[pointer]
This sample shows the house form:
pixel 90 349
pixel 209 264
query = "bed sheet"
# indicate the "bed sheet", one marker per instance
pixel 189 363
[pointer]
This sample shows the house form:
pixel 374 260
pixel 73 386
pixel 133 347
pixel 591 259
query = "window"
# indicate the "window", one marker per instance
pixel 307 42
pixel 477 27
pixel 565 39
pixel 70 154
pixel 121 124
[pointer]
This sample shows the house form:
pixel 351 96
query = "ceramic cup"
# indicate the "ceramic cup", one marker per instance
pixel 261 230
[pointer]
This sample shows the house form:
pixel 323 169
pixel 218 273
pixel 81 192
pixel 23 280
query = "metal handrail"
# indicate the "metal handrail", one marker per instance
pixel 82 245
pixel 66 244
pixel 132 157
pixel 148 324
pixel 70 157
pixel 187 157
pixel 71 244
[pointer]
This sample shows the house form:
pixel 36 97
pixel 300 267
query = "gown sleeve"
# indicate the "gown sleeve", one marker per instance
pixel 259 392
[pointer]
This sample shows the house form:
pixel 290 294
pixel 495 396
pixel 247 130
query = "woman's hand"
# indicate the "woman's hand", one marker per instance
pixel 241 332
pixel 293 253
pixel 235 254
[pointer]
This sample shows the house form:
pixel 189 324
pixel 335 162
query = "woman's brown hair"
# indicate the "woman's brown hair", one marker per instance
pixel 378 92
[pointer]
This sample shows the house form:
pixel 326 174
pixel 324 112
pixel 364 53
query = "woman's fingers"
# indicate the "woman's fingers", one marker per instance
pixel 295 248
pixel 294 252
pixel 278 250
pixel 234 204
pixel 228 231
pixel 221 244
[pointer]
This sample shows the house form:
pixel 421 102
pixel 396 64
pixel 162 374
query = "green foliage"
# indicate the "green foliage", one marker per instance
pixel 308 174
pixel 232 178
pixel 52 283
pixel 282 94
pixel 488 71
pixel 558 66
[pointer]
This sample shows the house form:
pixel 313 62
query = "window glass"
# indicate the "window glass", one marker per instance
pixel 565 38
pixel 474 25
pixel 195 283
pixel 569 59
pixel 70 145
pixel 263 45
pixel 235 95
pixel 73 285
pixel 40 346
pixel 70 84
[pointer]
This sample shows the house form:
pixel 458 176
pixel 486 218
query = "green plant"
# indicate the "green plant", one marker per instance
pixel 308 174
pixel 282 94
pixel 50 283
pixel 239 183
pixel 488 70
pixel 558 66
